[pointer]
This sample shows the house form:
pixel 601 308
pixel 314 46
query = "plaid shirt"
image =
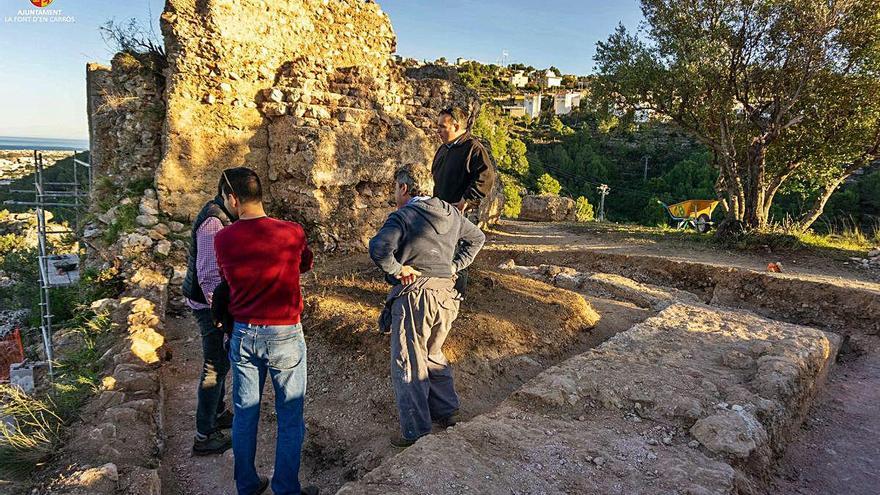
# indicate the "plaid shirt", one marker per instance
pixel 207 271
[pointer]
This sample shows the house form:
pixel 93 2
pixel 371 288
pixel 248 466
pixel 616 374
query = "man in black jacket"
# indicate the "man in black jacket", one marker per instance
pixel 463 170
pixel 202 279
pixel 420 248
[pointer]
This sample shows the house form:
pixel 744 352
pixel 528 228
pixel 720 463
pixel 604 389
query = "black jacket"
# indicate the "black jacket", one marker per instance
pixel 463 170
pixel 425 235
pixel 214 208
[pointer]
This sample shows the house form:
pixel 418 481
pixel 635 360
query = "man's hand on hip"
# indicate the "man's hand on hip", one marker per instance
pixel 408 275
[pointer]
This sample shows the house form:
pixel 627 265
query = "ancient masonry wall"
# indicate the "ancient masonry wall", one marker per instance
pixel 126 114
pixel 306 93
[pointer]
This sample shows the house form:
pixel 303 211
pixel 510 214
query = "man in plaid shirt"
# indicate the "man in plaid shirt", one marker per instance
pixel 202 278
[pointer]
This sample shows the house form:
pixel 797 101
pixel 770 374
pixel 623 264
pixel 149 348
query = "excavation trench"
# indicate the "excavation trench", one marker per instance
pixel 839 306
pixel 513 326
pixel 836 420
pixel 510 329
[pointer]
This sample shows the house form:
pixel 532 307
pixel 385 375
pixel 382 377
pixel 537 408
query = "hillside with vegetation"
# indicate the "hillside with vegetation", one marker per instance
pixel 643 160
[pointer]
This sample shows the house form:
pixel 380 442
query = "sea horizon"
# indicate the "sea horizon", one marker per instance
pixel 47 144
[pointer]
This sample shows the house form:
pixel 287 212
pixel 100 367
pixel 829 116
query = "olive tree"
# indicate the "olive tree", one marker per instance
pixel 777 89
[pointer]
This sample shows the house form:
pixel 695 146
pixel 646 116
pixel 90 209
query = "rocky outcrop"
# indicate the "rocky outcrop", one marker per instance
pixel 547 208
pixel 669 406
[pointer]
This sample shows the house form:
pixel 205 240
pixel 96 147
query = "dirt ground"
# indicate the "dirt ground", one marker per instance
pixel 509 330
pixel 804 264
pixel 838 448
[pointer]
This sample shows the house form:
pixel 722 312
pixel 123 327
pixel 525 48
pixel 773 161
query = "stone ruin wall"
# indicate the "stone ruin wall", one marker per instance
pixel 306 93
pixel 126 115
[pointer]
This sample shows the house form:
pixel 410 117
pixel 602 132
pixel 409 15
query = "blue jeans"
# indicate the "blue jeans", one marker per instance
pixel 280 351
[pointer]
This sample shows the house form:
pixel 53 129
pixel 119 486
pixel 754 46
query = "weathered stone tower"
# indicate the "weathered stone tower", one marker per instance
pixel 305 92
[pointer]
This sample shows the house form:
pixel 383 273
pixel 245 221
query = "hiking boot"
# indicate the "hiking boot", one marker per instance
pixel 264 483
pixel 215 443
pixel 401 442
pixel 310 490
pixel 447 421
pixel 224 420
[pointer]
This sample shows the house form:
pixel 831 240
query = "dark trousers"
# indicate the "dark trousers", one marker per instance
pixel 420 373
pixel 212 382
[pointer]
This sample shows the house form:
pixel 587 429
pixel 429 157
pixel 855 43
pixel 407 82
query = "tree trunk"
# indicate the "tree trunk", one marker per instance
pixel 815 212
pixel 754 215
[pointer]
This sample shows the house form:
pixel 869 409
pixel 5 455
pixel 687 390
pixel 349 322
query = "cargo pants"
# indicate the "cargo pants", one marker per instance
pixel 421 317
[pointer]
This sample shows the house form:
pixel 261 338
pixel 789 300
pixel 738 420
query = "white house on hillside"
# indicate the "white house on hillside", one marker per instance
pixel 532 105
pixel 549 79
pixel 519 79
pixel 564 103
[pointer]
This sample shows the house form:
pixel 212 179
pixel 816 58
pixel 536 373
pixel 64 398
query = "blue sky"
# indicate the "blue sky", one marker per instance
pixel 42 65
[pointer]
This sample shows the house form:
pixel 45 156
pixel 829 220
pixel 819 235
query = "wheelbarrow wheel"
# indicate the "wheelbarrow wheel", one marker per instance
pixel 703 223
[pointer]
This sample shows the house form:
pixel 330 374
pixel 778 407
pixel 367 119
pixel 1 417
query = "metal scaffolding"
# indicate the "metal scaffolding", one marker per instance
pixel 55 270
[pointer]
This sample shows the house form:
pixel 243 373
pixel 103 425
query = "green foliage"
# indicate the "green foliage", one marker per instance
pixel 125 222
pixel 77 374
pixel 583 210
pixel 654 214
pixel 856 204
pixel 37 422
pixel 21 265
pixel 548 185
pixel 487 79
pixel 33 435
pixel 508 151
pixel 779 103
pixel 512 197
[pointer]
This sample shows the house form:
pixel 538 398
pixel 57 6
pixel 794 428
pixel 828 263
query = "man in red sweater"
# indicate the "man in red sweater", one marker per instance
pixel 261 258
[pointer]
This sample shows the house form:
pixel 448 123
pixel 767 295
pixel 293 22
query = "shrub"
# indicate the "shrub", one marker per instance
pixel 583 210
pixel 512 199
pixel 548 185
pixel 29 434
pixel 125 222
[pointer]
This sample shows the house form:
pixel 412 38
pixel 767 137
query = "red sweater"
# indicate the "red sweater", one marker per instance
pixel 261 260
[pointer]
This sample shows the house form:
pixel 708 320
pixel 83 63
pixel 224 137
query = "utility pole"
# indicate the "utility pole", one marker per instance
pixel 603 191
pixel 646 169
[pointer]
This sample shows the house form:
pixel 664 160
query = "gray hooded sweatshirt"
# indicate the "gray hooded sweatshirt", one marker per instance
pixel 425 235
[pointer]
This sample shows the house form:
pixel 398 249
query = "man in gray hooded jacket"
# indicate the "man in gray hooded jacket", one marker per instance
pixel 418 249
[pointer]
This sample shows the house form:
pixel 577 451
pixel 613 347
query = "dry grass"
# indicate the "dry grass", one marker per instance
pixel 29 433
pixel 114 102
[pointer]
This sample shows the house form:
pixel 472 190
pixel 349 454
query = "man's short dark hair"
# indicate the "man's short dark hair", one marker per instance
pixel 242 182
pixel 418 180
pixel 459 115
